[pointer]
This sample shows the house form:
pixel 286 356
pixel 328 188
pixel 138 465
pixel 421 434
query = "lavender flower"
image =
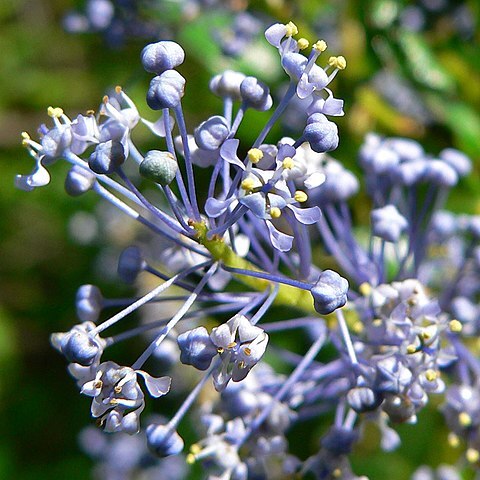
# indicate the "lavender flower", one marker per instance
pixel 258 241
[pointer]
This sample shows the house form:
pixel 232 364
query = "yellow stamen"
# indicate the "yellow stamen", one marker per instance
pixel 54 112
pixel 320 46
pixel 303 43
pixel 411 349
pixel 300 196
pixel 118 89
pixel 275 212
pixel 248 184
pixel 472 455
pixel 464 419
pixel 291 29
pixel 338 62
pixel 455 326
pixel 114 401
pixel 232 345
pixel 337 473
pixel 190 459
pixel 365 289
pixel 105 99
pixel 358 327
pixel 453 440
pixel 431 375
pixel 341 62
pixel 117 389
pixel 247 351
pixel 255 155
pixel 195 449
pixel 288 163
pixel 90 112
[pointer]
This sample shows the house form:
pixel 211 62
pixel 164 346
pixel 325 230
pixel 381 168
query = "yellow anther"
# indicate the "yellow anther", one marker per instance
pixel 255 155
pixel 275 212
pixel 105 99
pixel 411 349
pixel 248 184
pixel 472 455
pixel 337 473
pixel 464 419
pixel 291 29
pixel 98 384
pixel 320 46
pixel 114 401
pixel 338 62
pixel 341 62
pixel 190 459
pixel 90 112
pixel 358 327
pixel 303 43
pixel 377 322
pixel 455 326
pixel 117 389
pixel 54 112
pixel 25 136
pixel 118 89
pixel 195 449
pixel 453 440
pixel 220 350
pixel 288 163
pixel 426 335
pixel 431 375
pixel 232 345
pixel 300 196
pixel 242 364
pixel 365 289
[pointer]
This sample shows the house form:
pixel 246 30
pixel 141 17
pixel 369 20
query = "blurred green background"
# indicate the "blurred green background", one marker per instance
pixel 420 83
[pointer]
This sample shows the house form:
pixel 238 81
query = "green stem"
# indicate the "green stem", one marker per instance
pixel 287 295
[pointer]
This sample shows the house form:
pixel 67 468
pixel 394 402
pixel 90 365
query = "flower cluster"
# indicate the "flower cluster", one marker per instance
pixel 255 238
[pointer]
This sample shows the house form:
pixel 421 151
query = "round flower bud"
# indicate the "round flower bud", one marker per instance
pixel 166 90
pixel 330 292
pixel 363 399
pixel 89 303
pixel 227 84
pixel 107 157
pixel 163 441
pixel 161 167
pixel 196 348
pixel 211 133
pixel 321 135
pixel 440 173
pixel 457 160
pixel 255 94
pixel 78 181
pixel 130 264
pixel 388 223
pixel 161 56
pixel 79 347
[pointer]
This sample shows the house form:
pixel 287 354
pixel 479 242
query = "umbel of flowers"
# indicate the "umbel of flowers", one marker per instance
pixel 248 241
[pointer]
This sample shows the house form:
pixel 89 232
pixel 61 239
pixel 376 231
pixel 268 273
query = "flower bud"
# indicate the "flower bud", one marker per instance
pixel 255 94
pixel 163 441
pixel 88 302
pixel 330 292
pixel 211 133
pixel 227 84
pixel 130 264
pixel 321 135
pixel 166 90
pixel 161 56
pixel 78 181
pixel 161 167
pixel 388 223
pixel 196 348
pixel 79 347
pixel 107 157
